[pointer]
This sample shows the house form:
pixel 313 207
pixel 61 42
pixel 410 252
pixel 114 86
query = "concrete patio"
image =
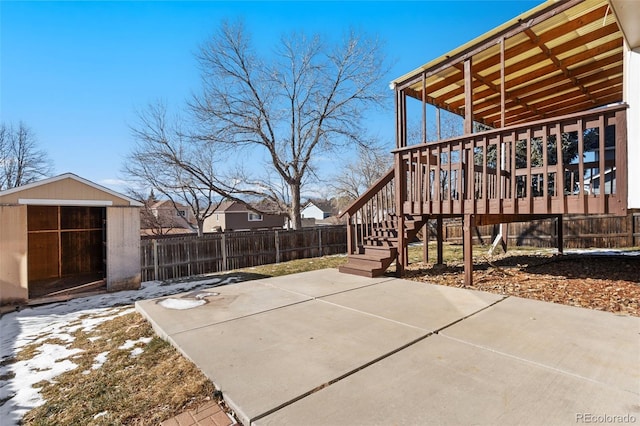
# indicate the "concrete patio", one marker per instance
pixel 324 348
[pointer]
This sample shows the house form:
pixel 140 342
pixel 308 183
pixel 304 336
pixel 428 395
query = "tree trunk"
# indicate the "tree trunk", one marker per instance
pixel 296 218
pixel 200 227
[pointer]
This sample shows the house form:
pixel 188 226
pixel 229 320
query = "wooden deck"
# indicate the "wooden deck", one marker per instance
pixel 536 175
pixel 511 174
pixel 549 83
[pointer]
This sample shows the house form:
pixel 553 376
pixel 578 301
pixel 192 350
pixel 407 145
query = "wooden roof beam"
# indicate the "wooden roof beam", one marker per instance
pixel 432 101
pixel 544 71
pixel 594 81
pixel 535 89
pixel 523 47
pixel 553 34
pixel 565 71
pixel 574 59
pixel 565 107
pixel 496 89
pixel 516 28
pixel 606 91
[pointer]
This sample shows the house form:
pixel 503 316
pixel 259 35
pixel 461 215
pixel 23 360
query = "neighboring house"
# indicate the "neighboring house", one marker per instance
pixel 318 209
pixel 67 234
pixel 592 184
pixel 319 212
pixel 552 76
pixel 235 216
pixel 163 217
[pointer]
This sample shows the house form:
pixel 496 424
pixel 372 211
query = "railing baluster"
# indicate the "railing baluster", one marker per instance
pixel 485 174
pixel 545 167
pixel 581 192
pixel 603 177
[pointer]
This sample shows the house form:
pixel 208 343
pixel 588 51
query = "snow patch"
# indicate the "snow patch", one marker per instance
pixel 50 362
pixel 133 343
pixel 181 304
pixel 97 416
pixel 603 252
pixel 99 360
pixel 57 322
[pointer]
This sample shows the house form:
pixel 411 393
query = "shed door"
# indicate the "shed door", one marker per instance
pixel 66 247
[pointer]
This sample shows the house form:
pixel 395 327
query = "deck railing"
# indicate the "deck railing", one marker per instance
pixel 559 165
pixel 370 211
pixel 574 164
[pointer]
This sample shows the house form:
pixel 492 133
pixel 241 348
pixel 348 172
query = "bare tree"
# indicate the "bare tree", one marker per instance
pixel 21 161
pixel 156 223
pixel 310 99
pixel 356 177
pixel 171 164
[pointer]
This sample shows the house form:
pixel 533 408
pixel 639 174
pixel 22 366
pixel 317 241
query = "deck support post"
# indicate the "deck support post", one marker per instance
pixel 439 240
pixel 425 242
pixel 350 243
pixel 467 241
pixel 559 234
pixel 401 187
pixel 505 236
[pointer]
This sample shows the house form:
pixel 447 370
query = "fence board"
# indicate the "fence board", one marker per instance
pixel 580 231
pixel 186 255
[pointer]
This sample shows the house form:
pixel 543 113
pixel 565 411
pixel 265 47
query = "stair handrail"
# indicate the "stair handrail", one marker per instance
pixel 369 193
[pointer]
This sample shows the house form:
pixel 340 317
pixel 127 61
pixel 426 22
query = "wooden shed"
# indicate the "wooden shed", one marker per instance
pixel 67 234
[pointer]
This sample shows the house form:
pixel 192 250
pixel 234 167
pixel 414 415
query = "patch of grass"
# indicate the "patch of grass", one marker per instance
pixel 8 376
pixel 32 349
pixel 296 266
pixel 145 389
pixel 7 361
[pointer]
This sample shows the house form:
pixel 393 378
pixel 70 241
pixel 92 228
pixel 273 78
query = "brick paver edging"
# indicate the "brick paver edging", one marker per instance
pixel 208 414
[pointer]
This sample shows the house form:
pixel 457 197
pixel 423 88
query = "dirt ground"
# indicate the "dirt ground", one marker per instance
pixel 603 282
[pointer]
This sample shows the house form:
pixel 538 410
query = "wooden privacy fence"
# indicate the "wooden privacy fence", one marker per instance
pixel 182 256
pixel 579 232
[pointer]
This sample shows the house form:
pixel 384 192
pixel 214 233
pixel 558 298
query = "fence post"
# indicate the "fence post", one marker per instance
pixel 187 248
pixel 223 249
pixel 319 242
pixel 154 252
pixel 277 246
pixel 560 234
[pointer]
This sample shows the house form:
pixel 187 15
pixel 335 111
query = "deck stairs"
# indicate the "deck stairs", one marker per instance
pixel 379 250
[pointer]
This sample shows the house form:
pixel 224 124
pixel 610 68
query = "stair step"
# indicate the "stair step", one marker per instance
pixel 409 224
pixel 369 273
pixel 373 256
pixel 362 263
pixel 379 251
pixel 388 241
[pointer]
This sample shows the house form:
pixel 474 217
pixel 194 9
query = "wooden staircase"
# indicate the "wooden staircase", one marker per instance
pixel 378 250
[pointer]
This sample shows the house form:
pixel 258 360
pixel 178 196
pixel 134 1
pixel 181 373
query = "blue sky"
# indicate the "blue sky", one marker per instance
pixel 77 72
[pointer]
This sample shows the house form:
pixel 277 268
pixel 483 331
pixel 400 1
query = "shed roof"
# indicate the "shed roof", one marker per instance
pixel 65 189
pixel 559 58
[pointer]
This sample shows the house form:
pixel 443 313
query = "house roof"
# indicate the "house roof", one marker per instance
pixel 66 188
pixel 324 205
pixel 166 204
pixel 559 58
pixel 230 206
pixel 236 207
